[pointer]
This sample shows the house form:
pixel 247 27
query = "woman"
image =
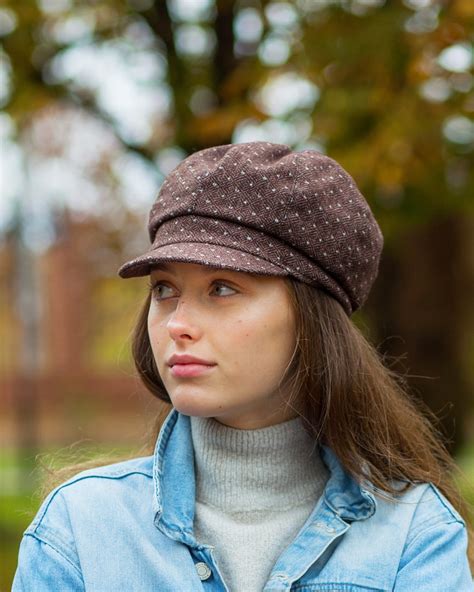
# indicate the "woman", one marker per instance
pixel 292 458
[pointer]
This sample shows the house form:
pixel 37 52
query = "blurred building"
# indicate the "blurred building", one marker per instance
pixel 81 383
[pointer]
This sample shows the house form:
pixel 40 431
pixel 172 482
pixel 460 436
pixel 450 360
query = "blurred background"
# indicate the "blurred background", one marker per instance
pixel 101 99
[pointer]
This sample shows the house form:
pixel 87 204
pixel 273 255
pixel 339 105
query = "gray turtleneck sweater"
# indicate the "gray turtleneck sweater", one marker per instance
pixel 254 491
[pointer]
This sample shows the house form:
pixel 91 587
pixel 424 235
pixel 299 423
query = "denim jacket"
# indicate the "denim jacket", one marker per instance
pixel 129 527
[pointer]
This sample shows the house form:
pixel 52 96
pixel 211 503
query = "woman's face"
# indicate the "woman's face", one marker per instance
pixel 242 324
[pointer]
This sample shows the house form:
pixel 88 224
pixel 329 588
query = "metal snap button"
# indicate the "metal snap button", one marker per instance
pixel 203 571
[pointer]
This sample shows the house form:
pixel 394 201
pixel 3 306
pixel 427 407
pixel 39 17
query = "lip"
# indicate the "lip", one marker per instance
pixel 187 359
pixel 188 366
pixel 190 370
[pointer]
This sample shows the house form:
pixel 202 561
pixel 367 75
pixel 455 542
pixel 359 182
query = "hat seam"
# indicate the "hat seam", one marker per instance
pixel 274 237
pixel 259 256
pixel 139 261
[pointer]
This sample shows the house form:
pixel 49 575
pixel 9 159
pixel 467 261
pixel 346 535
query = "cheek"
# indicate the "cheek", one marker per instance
pixel 264 344
pixel 156 335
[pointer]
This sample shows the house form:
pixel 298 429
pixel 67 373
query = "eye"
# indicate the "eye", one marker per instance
pixel 225 286
pixel 155 290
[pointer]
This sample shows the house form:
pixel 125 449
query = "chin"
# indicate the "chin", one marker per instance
pixel 192 404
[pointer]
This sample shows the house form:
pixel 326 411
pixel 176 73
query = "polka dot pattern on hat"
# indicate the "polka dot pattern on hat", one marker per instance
pixel 277 211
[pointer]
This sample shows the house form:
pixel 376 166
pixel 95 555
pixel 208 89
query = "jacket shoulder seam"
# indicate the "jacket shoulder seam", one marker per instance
pixel 55 548
pixel 72 481
pixel 430 527
pixel 454 514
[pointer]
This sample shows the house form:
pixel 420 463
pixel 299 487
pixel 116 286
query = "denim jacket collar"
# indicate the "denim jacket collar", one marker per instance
pixel 174 483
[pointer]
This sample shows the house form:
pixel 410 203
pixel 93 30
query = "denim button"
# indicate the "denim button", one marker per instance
pixel 325 527
pixel 203 571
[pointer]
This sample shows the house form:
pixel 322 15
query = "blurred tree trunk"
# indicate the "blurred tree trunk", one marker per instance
pixel 28 306
pixel 182 75
pixel 421 306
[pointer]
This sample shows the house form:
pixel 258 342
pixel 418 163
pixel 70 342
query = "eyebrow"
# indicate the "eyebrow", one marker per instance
pixel 207 269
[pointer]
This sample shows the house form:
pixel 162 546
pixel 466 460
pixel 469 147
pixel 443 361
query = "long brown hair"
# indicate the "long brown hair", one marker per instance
pixel 348 398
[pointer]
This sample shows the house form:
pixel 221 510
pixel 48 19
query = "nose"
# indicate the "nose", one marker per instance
pixel 181 325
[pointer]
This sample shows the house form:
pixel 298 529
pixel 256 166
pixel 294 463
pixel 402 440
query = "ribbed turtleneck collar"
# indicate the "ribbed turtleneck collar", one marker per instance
pixel 267 468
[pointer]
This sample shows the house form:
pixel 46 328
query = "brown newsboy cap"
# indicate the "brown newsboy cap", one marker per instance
pixel 259 207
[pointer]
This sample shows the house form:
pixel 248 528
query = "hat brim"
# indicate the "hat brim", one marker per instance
pixel 219 256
